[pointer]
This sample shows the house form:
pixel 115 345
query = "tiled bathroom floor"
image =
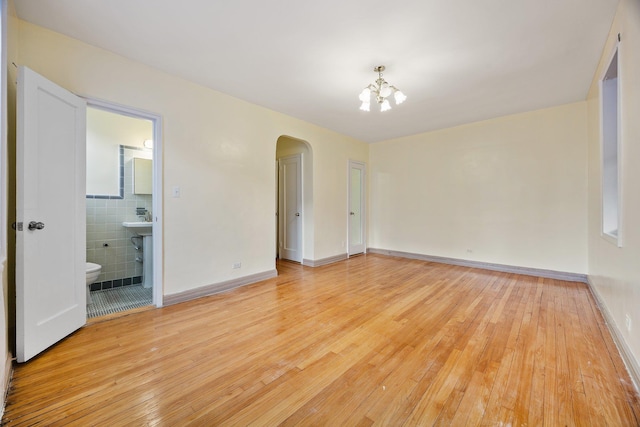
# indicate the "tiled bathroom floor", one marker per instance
pixel 111 301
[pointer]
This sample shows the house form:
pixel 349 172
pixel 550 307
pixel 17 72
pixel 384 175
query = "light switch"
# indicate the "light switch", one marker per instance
pixel 176 191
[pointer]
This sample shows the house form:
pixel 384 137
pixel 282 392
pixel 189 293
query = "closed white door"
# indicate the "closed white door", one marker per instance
pixel 290 208
pixel 51 217
pixel 356 208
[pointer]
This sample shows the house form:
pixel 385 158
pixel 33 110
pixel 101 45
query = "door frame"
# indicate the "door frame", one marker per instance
pixel 156 120
pixel 282 213
pixel 363 205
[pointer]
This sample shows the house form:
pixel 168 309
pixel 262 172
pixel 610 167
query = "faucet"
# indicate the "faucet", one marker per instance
pixel 143 214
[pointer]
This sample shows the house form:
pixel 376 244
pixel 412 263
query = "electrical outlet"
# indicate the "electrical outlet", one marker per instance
pixel 237 265
pixel 628 322
pixel 469 251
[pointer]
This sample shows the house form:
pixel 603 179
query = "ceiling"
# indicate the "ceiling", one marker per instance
pixel 458 61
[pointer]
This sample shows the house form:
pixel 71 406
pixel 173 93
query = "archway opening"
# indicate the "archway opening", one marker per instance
pixel 294 200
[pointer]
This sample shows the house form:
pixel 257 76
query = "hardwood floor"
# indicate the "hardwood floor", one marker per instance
pixel 371 340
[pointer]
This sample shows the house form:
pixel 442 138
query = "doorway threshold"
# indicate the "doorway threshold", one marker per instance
pixel 98 319
pixel 115 300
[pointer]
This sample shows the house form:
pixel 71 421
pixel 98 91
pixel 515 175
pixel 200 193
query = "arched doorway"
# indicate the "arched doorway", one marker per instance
pixel 294 199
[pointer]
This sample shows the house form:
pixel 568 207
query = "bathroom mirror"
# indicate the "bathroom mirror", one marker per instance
pixel 142 176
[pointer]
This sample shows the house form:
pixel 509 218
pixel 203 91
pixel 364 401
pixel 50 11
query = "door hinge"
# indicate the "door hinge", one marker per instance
pixel 17 226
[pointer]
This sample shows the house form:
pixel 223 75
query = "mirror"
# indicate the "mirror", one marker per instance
pixel 142 176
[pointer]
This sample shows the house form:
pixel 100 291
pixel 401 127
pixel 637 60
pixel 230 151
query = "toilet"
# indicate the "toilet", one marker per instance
pixel 93 272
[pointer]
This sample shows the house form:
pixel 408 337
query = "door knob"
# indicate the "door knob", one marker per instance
pixel 36 225
pixel 351 213
pixel 297 213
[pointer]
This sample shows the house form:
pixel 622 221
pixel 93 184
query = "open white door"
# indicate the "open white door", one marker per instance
pixel 51 217
pixel 356 208
pixel 290 209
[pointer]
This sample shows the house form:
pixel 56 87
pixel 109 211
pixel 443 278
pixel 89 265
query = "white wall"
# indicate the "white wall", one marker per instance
pixel 615 272
pixel 218 149
pixel 511 190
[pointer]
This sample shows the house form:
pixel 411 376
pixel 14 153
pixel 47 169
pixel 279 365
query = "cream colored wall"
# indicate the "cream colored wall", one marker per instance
pixel 511 190
pixel 615 272
pixel 219 150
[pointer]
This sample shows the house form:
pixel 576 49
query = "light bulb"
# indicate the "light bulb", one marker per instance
pixel 385 90
pixel 399 97
pixel 365 106
pixel 385 106
pixel 365 95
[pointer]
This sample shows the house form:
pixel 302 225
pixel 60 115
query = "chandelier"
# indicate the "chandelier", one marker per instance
pixel 382 90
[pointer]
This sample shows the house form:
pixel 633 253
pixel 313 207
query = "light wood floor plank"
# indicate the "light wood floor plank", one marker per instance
pixel 373 340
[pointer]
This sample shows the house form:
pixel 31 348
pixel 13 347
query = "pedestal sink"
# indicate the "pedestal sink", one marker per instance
pixel 145 230
pixel 140 228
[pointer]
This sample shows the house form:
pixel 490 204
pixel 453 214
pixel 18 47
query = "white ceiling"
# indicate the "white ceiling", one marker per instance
pixel 458 61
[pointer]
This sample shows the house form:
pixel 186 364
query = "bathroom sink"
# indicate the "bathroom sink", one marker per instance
pixel 140 228
pixel 145 230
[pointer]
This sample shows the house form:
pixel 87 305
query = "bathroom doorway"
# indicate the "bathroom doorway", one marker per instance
pixel 123 209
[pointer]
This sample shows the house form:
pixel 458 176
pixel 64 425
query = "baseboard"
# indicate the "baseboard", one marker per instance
pixel 218 287
pixel 633 368
pixel 6 381
pixel 324 261
pixel 537 272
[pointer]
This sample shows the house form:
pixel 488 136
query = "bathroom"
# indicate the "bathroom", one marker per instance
pixel 119 190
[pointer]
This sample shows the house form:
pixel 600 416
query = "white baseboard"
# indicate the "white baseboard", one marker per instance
pixel 324 261
pixel 633 368
pixel 537 272
pixel 6 381
pixel 218 287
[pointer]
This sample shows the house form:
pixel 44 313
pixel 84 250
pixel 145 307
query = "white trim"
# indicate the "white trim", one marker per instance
pixel 620 236
pixel 278 210
pixel 158 192
pixel 3 134
pixel 302 205
pixel 617 239
pixel 536 272
pixel 282 219
pixel 610 238
pixel 4 210
pixel 217 288
pixel 633 368
pixel 324 261
pixel 363 206
pixel 6 381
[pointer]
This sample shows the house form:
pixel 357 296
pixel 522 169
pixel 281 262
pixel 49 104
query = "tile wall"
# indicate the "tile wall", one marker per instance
pixel 108 242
